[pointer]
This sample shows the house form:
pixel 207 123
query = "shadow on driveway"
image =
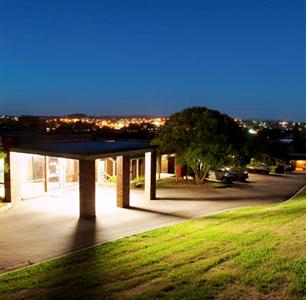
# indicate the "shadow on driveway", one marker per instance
pixel 85 234
pixel 162 213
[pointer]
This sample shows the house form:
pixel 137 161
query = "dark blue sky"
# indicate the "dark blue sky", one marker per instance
pixel 242 57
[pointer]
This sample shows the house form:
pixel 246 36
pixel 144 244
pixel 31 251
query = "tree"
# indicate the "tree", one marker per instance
pixel 203 139
pixel 32 123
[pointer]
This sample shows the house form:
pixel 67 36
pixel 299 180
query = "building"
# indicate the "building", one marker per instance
pixel 167 163
pixel 40 164
pixel 298 161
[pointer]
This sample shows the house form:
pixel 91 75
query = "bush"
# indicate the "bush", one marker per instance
pixel 139 180
pixel 273 169
pixel 112 179
pixel 280 169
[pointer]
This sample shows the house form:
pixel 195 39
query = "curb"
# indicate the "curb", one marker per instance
pixel 297 193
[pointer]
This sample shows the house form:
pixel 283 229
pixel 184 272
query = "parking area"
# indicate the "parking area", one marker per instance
pixel 48 227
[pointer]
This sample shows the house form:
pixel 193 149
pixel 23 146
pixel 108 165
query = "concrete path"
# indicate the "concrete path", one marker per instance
pixel 48 227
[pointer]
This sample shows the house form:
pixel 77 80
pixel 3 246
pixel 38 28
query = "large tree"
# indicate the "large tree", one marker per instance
pixel 203 139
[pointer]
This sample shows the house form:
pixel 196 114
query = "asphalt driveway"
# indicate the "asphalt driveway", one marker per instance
pixel 48 227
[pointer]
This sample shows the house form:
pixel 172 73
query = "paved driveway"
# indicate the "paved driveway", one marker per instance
pixel 49 227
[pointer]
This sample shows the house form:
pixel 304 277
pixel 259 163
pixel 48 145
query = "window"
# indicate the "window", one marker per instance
pixel 32 175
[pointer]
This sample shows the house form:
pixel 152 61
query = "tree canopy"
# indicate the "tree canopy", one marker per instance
pixel 203 139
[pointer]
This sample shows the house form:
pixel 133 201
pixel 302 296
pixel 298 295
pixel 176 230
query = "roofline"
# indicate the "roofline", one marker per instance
pixel 84 157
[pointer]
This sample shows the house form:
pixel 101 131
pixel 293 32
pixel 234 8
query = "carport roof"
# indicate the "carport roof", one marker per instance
pixel 86 149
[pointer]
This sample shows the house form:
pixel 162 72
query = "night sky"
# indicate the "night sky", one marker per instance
pixel 242 57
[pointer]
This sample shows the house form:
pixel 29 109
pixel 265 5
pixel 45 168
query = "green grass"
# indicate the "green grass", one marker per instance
pixel 172 182
pixel 253 253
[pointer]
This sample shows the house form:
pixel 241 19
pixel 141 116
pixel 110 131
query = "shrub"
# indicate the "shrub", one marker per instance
pixel 139 180
pixel 112 179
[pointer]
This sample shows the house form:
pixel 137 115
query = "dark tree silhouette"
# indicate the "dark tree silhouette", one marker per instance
pixel 203 139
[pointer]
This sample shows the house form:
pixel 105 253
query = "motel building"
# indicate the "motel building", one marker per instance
pixel 298 161
pixel 40 165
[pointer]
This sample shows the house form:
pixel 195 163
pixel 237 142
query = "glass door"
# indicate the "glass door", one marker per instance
pixel 54 173
pixel 101 171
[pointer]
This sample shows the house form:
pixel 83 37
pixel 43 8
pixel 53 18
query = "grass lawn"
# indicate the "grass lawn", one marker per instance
pixel 171 182
pixel 253 253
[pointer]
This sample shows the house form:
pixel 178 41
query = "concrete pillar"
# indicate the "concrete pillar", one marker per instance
pixel 13 184
pixel 137 167
pixel 7 179
pixel 45 173
pixel 150 175
pixel 123 181
pixel 158 165
pixel 87 186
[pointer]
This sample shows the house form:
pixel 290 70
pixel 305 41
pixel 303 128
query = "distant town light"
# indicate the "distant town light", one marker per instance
pixel 252 131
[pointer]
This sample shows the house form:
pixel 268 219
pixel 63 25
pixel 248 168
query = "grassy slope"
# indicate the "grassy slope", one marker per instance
pixel 254 253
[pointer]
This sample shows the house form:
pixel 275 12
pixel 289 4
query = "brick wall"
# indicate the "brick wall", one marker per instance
pixel 87 186
pixel 123 181
pixel 150 175
pixel 13 185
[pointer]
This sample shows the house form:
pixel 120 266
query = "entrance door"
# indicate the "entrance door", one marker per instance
pixel 54 171
pixel 62 173
pixel 101 171
pixel 31 174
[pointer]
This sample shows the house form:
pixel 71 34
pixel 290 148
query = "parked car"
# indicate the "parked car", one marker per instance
pixel 284 168
pixel 281 168
pixel 223 175
pixel 260 169
pixel 241 173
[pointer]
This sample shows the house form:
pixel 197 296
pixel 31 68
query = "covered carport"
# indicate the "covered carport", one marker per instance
pixel 86 153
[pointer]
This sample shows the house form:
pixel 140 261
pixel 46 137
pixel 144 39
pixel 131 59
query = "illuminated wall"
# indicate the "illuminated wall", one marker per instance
pixel 300 165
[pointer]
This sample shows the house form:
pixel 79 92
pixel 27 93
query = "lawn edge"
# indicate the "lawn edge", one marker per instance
pixel 299 191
